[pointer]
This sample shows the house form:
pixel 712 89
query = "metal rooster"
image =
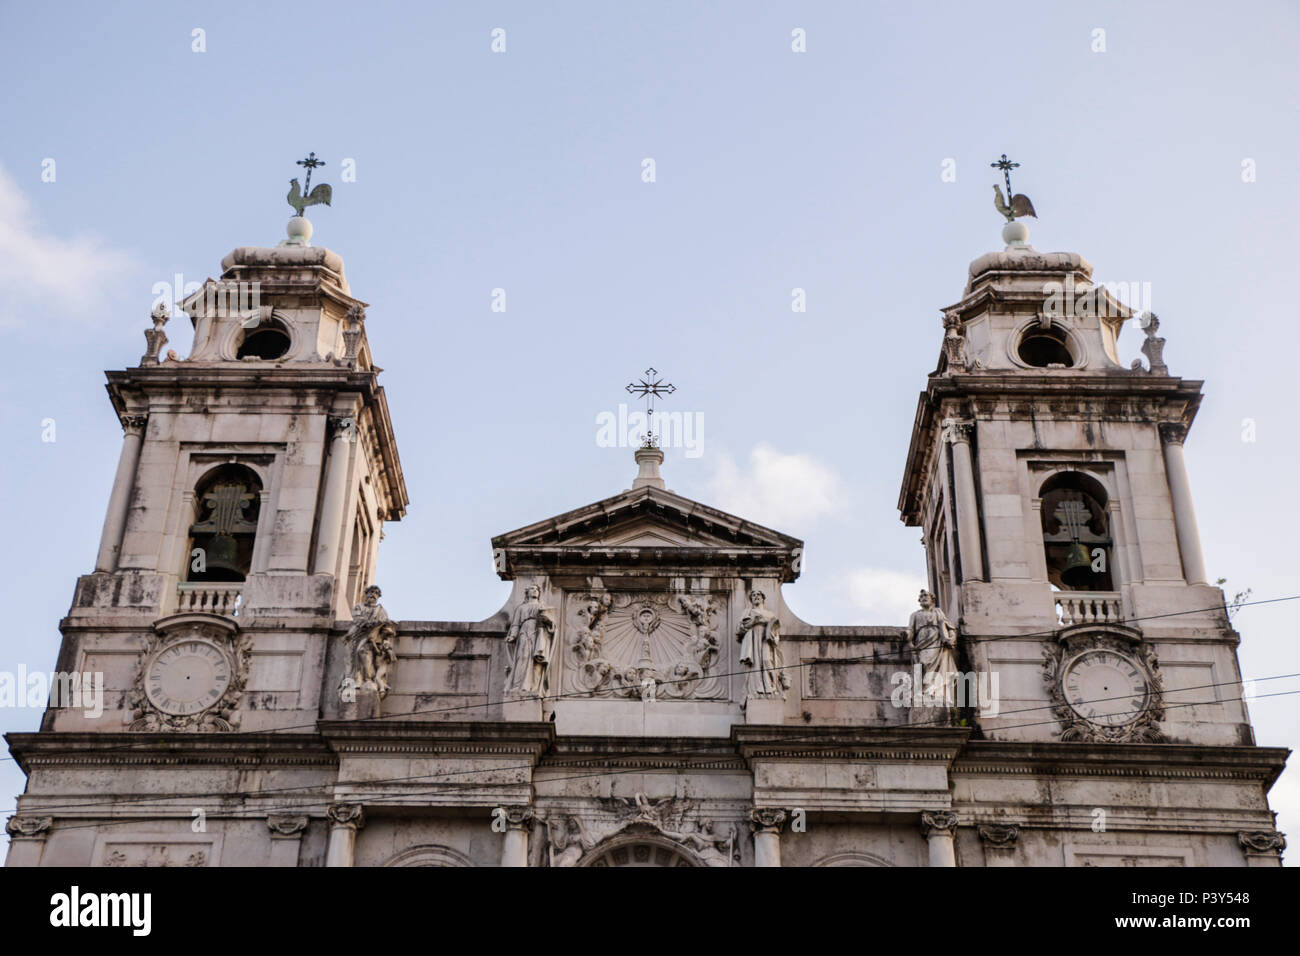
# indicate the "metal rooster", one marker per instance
pixel 322 194
pixel 1020 204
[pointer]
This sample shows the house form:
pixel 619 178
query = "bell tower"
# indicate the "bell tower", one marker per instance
pixel 255 479
pixel 1049 483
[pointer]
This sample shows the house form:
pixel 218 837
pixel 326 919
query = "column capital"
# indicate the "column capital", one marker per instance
pixel 349 815
pixel 340 426
pixel 287 825
pixel 134 424
pixel 1172 433
pixel 1261 841
pixel 26 827
pixel 957 431
pixel 938 822
pixel 767 819
pixel 999 835
pixel 519 818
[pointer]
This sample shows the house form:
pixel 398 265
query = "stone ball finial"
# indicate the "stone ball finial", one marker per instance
pixel 1015 234
pixel 300 230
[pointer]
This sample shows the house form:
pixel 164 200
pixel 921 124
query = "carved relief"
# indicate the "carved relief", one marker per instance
pixel 635 831
pixel 631 644
pixel 190 677
pixel 1125 709
pixel 153 855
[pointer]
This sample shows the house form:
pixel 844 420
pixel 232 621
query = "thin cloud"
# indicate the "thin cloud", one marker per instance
pixel 882 596
pixel 45 276
pixel 782 491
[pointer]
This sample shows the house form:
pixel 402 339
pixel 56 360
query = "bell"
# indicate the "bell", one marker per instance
pixel 222 558
pixel 1077 572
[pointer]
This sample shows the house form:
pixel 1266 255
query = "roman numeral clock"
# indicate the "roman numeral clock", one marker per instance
pixel 191 675
pixel 1105 684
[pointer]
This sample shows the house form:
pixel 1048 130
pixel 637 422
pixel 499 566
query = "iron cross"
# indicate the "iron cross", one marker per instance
pixel 650 388
pixel 1006 166
pixel 311 162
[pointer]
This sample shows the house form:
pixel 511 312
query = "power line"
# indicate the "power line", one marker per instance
pixel 239 794
pixel 590 695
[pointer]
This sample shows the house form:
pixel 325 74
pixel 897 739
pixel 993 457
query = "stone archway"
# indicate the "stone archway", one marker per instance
pixel 639 849
pixel 429 855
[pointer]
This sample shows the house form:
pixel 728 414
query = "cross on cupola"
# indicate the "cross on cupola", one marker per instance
pixel 650 387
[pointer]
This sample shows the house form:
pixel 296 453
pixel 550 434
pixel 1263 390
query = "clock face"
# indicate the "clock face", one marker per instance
pixel 187 677
pixel 1106 688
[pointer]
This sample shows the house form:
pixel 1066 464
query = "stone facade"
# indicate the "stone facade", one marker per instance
pixel 646 697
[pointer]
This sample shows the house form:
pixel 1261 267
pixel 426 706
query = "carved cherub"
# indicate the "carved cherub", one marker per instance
pixel 590 637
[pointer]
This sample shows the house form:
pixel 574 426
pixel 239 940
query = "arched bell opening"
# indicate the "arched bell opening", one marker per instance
pixel 227 502
pixel 1076 533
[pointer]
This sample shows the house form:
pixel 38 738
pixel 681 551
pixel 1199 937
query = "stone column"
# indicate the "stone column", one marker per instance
pixel 26 839
pixel 999 843
pixel 1172 435
pixel 110 542
pixel 334 496
pixel 958 435
pixel 1262 847
pixel 766 823
pixel 519 820
pixel 938 828
pixel 286 837
pixel 345 820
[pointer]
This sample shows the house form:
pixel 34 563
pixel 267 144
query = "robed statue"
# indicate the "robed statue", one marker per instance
pixel 934 643
pixel 532 631
pixel 371 637
pixel 760 650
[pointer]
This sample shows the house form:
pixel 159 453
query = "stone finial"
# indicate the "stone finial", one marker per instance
pixel 1154 346
pixel 954 342
pixel 355 328
pixel 648 458
pixel 155 337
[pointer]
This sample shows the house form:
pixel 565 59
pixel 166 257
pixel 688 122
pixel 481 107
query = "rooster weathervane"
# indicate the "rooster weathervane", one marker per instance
pixel 1020 204
pixel 321 194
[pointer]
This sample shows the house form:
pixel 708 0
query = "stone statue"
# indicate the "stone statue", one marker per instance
pixel 532 629
pixel 760 650
pixel 934 642
pixel 567 841
pixel 371 637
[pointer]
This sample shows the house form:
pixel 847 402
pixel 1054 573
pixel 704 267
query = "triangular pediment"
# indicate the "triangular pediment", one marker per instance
pixel 642 526
pixel 650 517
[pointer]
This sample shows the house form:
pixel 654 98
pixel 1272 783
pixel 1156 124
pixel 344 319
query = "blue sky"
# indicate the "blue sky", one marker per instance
pixel 774 170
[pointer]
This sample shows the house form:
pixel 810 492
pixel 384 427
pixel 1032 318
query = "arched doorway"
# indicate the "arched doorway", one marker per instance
pixel 639 849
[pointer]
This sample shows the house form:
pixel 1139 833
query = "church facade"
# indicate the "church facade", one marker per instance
pixel 1067 693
